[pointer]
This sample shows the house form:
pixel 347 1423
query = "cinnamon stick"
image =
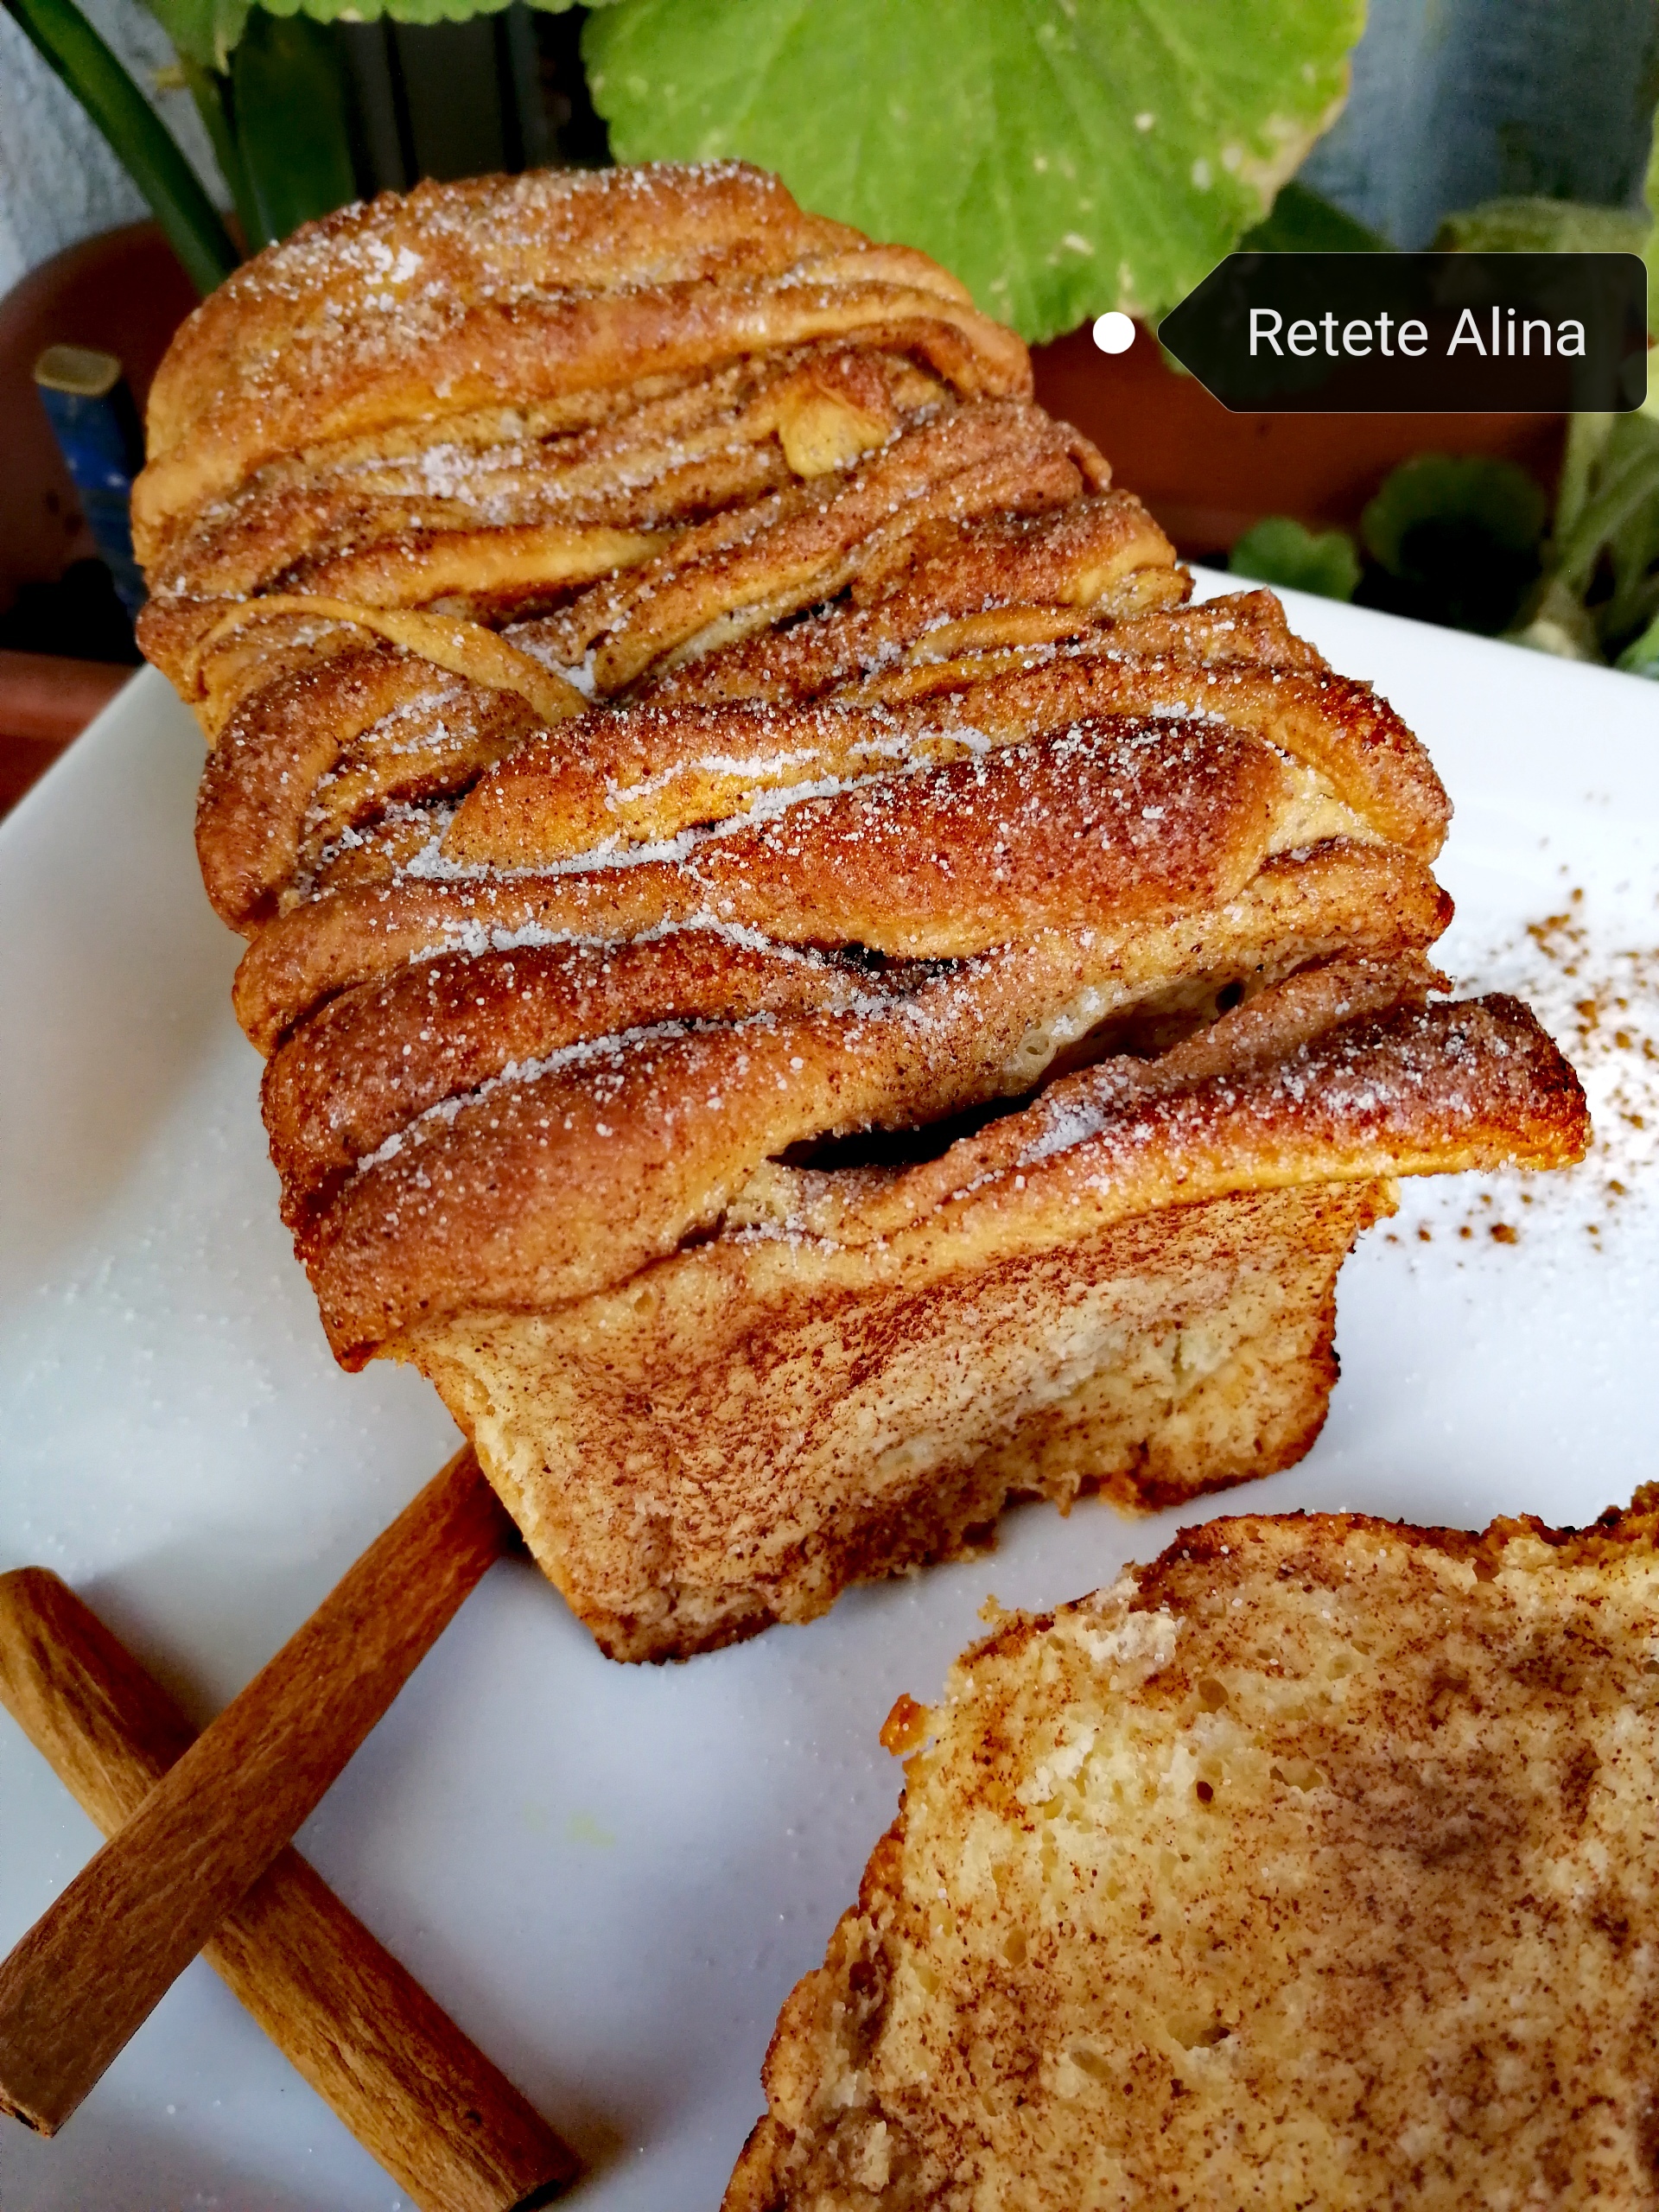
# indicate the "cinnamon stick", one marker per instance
pixel 447 2126
pixel 101 1957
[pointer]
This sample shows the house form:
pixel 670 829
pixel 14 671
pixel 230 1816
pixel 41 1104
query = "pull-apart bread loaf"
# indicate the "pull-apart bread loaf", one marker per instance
pixel 804 984
pixel 1315 1864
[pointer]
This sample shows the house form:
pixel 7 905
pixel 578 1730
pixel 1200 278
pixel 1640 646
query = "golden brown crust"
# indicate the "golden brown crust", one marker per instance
pixel 532 349
pixel 814 537
pixel 334 943
pixel 559 228
pixel 302 755
pixel 1016 567
pixel 374 1063
pixel 551 1188
pixel 1353 739
pixel 639 460
pixel 382 1054
pixel 646 775
pixel 1312 1864
pixel 415 306
pixel 722 792
pixel 1108 819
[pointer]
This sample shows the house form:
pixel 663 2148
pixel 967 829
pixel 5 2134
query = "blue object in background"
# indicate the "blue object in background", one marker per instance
pixel 97 427
pixel 1458 101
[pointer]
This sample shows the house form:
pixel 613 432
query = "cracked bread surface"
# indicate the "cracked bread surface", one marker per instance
pixel 1313 1864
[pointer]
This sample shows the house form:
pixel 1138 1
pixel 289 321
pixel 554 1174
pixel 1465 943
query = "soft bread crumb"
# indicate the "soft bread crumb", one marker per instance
pixel 1312 1865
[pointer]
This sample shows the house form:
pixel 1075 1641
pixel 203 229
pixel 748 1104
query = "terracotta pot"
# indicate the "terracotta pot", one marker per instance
pixel 122 292
pixel 44 702
pixel 1208 474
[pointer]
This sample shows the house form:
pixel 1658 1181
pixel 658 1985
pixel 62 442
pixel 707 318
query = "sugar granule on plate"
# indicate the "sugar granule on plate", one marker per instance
pixel 1597 993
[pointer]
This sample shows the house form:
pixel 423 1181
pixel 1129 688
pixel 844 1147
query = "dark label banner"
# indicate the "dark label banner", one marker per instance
pixel 1365 333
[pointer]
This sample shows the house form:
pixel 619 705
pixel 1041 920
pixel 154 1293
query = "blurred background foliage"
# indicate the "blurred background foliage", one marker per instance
pixel 1066 156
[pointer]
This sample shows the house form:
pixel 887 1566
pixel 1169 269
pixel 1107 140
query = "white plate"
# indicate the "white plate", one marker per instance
pixel 612 1875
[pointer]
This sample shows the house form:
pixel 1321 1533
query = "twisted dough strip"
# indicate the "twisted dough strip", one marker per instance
pixel 819 533
pixel 413 308
pixel 647 775
pixel 324 745
pixel 288 730
pixel 1314 1016
pixel 981 583
pixel 1100 824
pixel 379 1056
pixel 550 1188
pixel 547 228
pixel 753 565
pixel 643 464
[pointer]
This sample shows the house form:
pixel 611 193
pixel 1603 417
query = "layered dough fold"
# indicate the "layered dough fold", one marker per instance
pixel 752 864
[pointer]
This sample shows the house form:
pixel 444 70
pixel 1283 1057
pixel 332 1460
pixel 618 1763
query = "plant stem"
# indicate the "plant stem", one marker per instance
pixel 210 90
pixel 141 141
pixel 292 128
pixel 1586 434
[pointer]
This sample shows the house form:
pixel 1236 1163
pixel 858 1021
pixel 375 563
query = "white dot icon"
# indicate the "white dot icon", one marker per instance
pixel 1114 332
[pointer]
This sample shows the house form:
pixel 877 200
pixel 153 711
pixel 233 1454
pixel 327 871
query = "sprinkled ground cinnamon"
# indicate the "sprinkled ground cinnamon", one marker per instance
pixel 1597 993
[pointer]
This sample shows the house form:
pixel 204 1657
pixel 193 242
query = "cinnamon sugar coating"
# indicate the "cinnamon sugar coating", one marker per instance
pixel 499 289
pixel 1313 1864
pixel 743 842
pixel 383 1053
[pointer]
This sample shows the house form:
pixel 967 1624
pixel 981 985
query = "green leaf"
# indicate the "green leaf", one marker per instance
pixel 1651 251
pixel 1558 625
pixel 211 91
pixel 1633 539
pixel 204 31
pixel 289 92
pixel 1586 441
pixel 1300 221
pixel 1499 496
pixel 1604 554
pixel 396 11
pixel 1063 156
pixel 1279 550
pixel 1641 658
pixel 1625 482
pixel 1457 540
pixel 1542 226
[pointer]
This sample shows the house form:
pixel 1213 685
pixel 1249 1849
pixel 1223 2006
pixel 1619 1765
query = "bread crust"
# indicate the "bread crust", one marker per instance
pixel 1312 1864
pixel 722 792
pixel 454 296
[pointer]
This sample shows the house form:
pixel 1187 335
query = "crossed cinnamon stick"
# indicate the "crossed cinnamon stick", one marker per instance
pixel 198 1860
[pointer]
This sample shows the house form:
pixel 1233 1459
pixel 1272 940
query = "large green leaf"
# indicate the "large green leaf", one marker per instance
pixel 204 31
pixel 1280 550
pixel 1063 157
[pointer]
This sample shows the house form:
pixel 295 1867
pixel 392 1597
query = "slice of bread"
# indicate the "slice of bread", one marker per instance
pixel 1315 1864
